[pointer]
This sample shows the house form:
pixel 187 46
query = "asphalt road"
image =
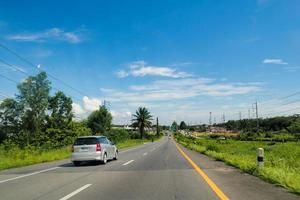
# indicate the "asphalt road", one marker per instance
pixel 151 171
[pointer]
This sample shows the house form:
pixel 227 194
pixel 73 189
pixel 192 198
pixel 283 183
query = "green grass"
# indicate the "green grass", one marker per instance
pixel 17 157
pixel 282 160
pixel 22 157
pixel 131 143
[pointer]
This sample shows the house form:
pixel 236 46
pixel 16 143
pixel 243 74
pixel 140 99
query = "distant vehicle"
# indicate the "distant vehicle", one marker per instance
pixel 93 148
pixel 169 136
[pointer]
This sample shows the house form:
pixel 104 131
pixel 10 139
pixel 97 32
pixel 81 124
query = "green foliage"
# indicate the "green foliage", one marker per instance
pixel 295 128
pixel 282 160
pixel 57 138
pixel 274 125
pixel 10 118
pixel 142 119
pixel 14 156
pixel 35 118
pixel 182 125
pixel 60 108
pixel 100 120
pixel 33 97
pixel 174 126
pixel 117 135
pixel 11 155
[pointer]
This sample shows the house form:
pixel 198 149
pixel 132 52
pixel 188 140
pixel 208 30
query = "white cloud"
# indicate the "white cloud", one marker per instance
pixel 166 90
pixel 77 109
pixel 87 106
pixel 169 84
pixel 137 64
pixel 159 71
pixel 140 69
pixel 274 61
pixel 91 104
pixel 125 114
pixel 49 34
pixel 122 73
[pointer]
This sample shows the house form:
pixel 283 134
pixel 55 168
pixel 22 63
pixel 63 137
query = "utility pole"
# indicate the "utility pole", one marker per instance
pixel 224 119
pixel 240 115
pixel 157 128
pixel 256 113
pixel 257 122
pixel 249 115
pixel 210 118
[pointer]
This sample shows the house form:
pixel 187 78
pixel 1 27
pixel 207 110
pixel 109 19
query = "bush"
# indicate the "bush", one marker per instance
pixel 117 135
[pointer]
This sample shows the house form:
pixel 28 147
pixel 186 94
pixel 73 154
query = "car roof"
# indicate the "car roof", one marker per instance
pixel 90 136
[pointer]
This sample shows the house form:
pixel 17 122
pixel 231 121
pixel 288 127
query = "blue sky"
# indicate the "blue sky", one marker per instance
pixel 180 59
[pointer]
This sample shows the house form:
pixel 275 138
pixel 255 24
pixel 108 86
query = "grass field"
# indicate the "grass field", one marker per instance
pixel 282 160
pixel 16 157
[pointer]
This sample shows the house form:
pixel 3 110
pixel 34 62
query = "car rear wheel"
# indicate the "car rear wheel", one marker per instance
pixel 116 155
pixel 76 163
pixel 104 161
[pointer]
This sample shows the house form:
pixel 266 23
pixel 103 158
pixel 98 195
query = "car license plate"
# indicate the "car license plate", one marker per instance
pixel 84 149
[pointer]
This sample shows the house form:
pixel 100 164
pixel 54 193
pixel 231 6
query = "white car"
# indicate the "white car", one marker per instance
pixel 93 148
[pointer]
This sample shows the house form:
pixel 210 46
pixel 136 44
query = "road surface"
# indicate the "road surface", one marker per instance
pixel 155 170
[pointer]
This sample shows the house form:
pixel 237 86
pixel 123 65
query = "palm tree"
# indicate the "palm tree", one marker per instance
pixel 142 119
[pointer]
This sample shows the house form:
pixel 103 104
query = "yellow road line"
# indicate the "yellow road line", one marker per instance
pixel 211 184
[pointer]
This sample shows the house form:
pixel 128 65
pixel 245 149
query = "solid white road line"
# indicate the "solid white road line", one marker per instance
pixel 130 161
pixel 25 175
pixel 144 154
pixel 75 192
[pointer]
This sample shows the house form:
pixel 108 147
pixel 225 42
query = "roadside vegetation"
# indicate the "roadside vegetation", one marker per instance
pixel 17 157
pixel 277 129
pixel 282 159
pixel 38 126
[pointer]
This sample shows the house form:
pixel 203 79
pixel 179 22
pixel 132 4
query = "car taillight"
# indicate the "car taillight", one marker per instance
pixel 72 148
pixel 98 147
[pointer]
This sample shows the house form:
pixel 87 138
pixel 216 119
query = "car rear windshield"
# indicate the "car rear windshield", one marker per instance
pixel 86 141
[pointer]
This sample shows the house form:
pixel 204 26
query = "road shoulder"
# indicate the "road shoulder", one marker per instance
pixel 235 183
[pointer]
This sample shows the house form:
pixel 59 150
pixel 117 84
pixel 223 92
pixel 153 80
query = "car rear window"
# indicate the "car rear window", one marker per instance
pixel 86 141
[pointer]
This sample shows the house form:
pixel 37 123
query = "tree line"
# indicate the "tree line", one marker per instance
pixel 288 124
pixel 36 118
pixel 252 127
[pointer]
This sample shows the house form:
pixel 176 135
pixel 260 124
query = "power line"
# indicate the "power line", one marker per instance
pixel 291 102
pixel 35 66
pixel 27 74
pixel 14 67
pixel 291 95
pixel 9 79
pixel 4 95
pixel 283 111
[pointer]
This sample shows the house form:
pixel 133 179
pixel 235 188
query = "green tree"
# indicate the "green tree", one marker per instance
pixel 142 119
pixel 60 107
pixel 295 128
pixel 100 120
pixel 182 125
pixel 174 126
pixel 34 93
pixel 10 118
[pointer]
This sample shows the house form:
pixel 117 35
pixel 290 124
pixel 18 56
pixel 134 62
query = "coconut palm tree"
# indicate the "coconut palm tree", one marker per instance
pixel 142 119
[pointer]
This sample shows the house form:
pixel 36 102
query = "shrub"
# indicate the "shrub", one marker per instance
pixel 117 135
